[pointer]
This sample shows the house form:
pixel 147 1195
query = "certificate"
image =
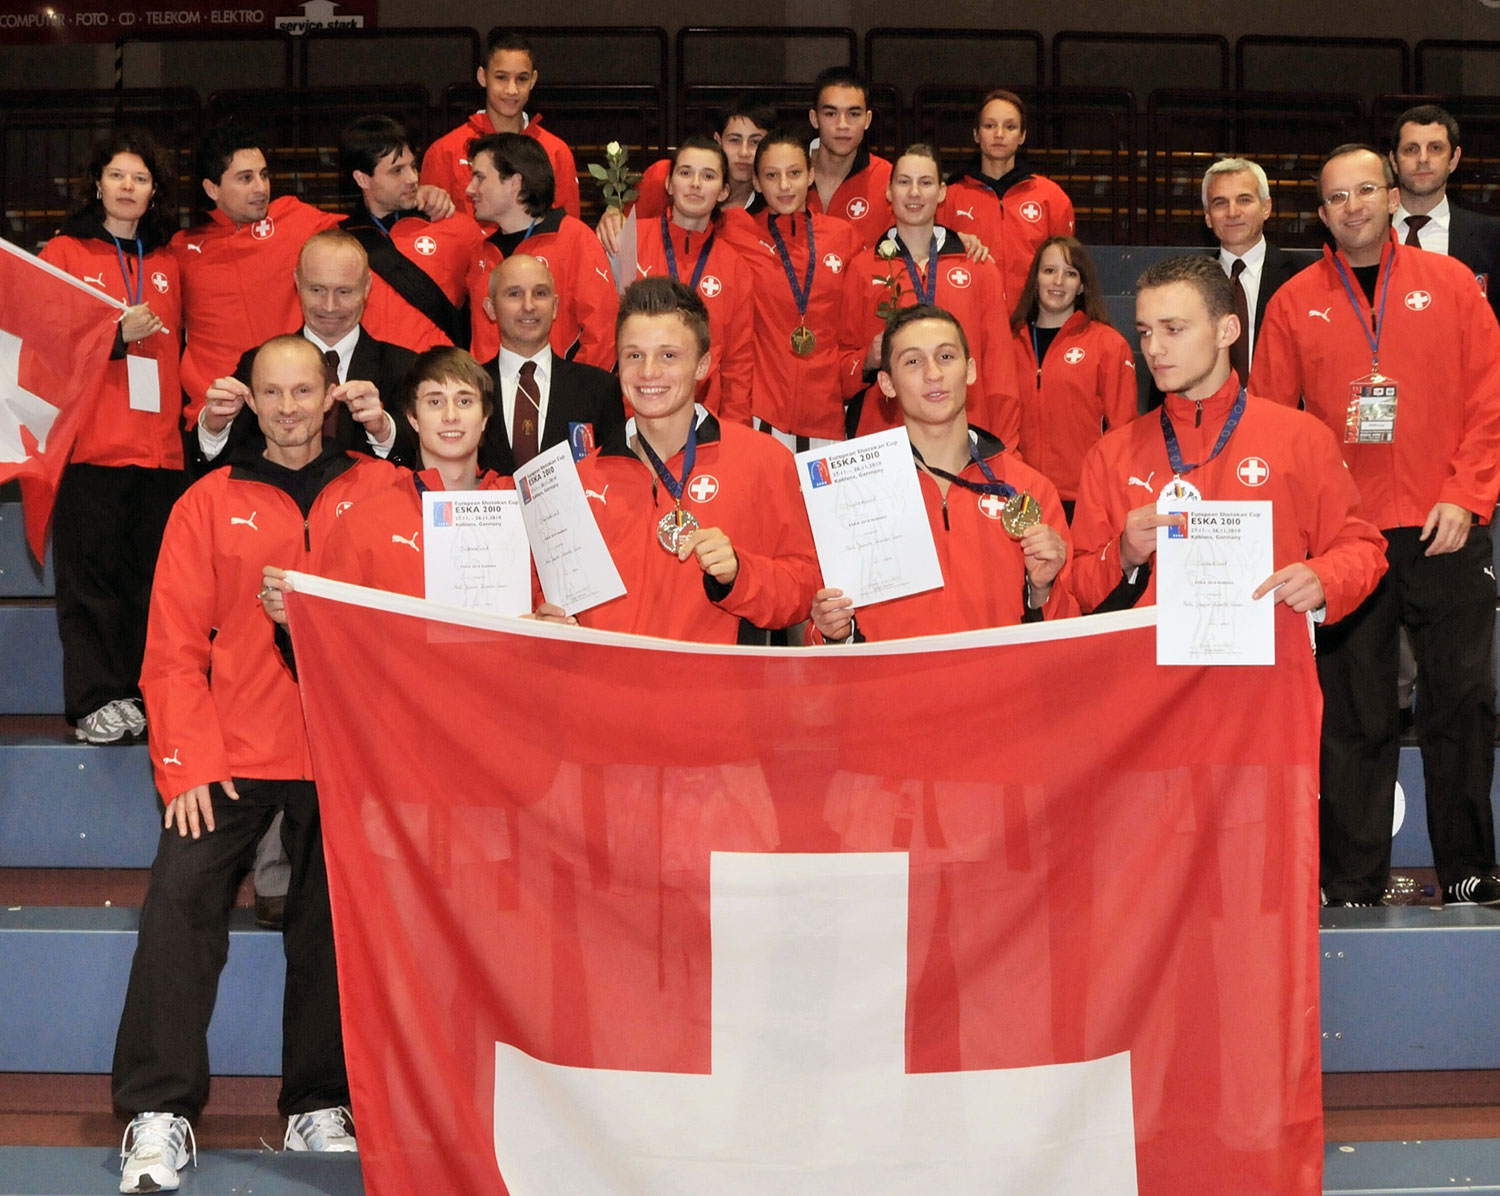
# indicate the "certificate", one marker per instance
pixel 475 553
pixel 868 520
pixel 572 560
pixel 1205 574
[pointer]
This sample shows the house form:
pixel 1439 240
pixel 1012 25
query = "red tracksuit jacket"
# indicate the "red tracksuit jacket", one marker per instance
pixel 1275 454
pixel 799 395
pixel 1086 380
pixel 860 200
pixel 1441 345
pixel 743 482
pixel 725 289
pixel 972 292
pixel 116 434
pixel 444 250
pixel 589 300
pixel 220 699
pixel 446 162
pixel 1032 209
pixel 237 288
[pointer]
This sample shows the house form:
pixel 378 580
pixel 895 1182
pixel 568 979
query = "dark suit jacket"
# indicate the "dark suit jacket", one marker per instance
pixel 580 393
pixel 1474 239
pixel 375 361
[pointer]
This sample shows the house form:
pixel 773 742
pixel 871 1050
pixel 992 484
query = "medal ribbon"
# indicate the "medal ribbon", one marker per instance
pixel 666 242
pixel 991 484
pixel 1174 450
pixel 1379 318
pixel 800 295
pixel 674 486
pixel 140 270
pixel 927 294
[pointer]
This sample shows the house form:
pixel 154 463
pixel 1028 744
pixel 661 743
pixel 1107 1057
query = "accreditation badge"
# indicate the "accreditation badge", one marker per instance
pixel 1371 417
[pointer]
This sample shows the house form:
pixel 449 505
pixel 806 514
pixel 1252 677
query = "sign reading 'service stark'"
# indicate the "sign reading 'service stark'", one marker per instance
pixel 96 21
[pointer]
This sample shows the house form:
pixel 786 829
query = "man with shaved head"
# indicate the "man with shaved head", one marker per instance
pixel 541 398
pixel 332 278
pixel 229 751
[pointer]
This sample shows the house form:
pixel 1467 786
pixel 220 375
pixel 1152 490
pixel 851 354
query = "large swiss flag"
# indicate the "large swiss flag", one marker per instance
pixel 56 333
pixel 1012 912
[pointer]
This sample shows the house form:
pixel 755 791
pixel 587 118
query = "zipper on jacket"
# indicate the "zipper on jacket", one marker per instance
pixel 306 536
pixel 1198 414
pixel 946 526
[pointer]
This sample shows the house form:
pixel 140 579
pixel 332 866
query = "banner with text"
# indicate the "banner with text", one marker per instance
pixel 91 21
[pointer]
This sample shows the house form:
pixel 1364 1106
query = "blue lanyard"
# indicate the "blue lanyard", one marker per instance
pixel 666 241
pixel 991 484
pixel 927 294
pixel 802 295
pixel 1385 288
pixel 675 486
pixel 140 269
pixel 1174 450
pixel 378 223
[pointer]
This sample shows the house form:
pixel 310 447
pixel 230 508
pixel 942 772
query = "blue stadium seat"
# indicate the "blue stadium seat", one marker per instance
pixel 19 575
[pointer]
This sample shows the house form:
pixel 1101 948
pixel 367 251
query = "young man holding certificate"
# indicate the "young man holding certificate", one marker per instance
pixel 997 523
pixel 704 521
pixel 1212 441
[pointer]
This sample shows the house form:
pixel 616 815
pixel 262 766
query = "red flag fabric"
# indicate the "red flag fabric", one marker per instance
pixel 56 333
pixel 1014 911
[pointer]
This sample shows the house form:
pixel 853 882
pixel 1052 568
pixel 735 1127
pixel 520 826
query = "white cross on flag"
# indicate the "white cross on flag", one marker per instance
pixel 56 333
pixel 688 920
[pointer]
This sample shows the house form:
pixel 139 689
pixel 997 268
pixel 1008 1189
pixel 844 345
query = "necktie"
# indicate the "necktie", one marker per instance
pixel 1239 352
pixel 525 434
pixel 331 420
pixel 1413 227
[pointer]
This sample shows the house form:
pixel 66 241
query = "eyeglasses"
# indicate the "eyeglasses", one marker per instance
pixel 1337 199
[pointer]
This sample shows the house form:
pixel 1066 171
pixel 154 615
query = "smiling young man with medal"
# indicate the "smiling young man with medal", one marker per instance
pixel 1211 440
pixel 704 520
pixel 920 261
pixel 1396 350
pixel 797 261
pixel 1001 538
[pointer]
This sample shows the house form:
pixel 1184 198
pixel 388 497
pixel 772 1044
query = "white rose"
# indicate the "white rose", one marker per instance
pixel 612 149
pixel 888 249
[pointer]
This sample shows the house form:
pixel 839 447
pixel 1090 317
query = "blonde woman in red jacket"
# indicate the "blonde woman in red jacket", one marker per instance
pixel 1076 373
pixel 126 469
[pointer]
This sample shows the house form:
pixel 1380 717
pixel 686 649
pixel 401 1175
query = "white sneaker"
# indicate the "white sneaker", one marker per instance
pixel 154 1149
pixel 132 716
pixel 105 725
pixel 329 1130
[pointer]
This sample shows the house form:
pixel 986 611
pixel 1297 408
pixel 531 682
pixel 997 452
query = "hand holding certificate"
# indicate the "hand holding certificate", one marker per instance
pixel 1212 605
pixel 868 520
pixel 572 560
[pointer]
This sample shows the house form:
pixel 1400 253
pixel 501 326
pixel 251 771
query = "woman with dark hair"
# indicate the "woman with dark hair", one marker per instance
pixel 1076 373
pixel 126 468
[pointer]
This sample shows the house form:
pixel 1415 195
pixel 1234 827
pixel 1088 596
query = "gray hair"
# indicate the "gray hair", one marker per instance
pixel 1235 166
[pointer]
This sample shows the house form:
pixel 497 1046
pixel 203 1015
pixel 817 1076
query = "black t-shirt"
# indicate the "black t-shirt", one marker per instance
pixel 1043 341
pixel 1367 276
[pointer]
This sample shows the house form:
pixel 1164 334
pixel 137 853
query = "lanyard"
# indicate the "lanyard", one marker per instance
pixel 140 270
pixel 801 295
pixel 991 484
pixel 1174 451
pixel 1379 318
pixel 927 294
pixel 674 486
pixel 666 241
pixel 380 224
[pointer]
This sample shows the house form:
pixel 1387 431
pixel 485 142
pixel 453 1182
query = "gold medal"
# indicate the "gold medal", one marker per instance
pixel 804 340
pixel 1021 512
pixel 674 527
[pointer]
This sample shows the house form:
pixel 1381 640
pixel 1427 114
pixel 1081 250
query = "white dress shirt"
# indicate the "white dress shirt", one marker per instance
pixel 1433 235
pixel 510 374
pixel 1255 262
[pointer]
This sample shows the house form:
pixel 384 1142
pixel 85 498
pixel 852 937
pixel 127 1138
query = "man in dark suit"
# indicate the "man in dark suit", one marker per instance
pixel 541 399
pixel 333 282
pixel 1425 151
pixel 1236 205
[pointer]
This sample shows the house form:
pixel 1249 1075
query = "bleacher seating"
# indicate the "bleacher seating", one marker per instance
pixel 1111 123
